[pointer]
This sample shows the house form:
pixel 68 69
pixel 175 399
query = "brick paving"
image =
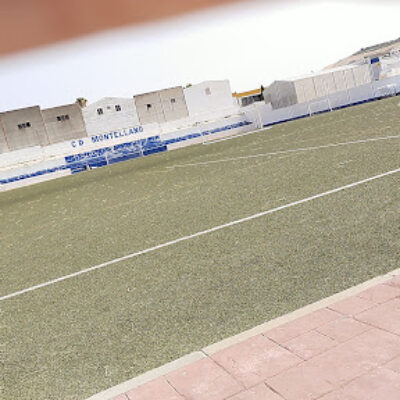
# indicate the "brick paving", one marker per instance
pixel 349 350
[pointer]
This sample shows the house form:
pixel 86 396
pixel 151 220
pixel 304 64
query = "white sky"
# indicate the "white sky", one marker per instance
pixel 250 44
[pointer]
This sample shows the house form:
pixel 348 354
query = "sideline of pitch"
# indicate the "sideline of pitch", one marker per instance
pixel 198 234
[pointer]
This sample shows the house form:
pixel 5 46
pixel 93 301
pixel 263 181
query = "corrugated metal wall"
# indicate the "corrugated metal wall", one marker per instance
pixel 349 78
pixel 340 80
pixel 324 85
pixel 317 86
pixel 362 74
pixel 305 90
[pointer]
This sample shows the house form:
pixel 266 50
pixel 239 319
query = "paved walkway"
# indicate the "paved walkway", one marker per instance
pixel 348 350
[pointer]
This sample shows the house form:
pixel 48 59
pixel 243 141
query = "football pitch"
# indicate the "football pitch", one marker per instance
pixel 112 272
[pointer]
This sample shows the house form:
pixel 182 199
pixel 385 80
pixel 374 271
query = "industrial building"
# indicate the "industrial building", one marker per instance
pixel 249 97
pixel 167 108
pixel 31 126
pixel 110 114
pixel 24 128
pixel 311 87
pixel 390 65
pixel 209 99
pixel 64 123
pixel 161 106
pixel 68 139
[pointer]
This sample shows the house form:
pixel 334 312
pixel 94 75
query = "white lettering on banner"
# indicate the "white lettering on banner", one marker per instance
pixel 108 136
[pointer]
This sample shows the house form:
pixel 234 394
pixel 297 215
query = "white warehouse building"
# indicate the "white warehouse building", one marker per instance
pixel 210 100
pixel 163 110
pixel 390 65
pixel 319 85
pixel 161 106
pixel 110 114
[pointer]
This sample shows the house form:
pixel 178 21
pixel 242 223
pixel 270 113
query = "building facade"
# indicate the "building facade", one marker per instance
pixel 319 85
pixel 390 65
pixel 249 97
pixel 161 106
pixel 64 123
pixel 210 97
pixel 110 114
pixel 24 128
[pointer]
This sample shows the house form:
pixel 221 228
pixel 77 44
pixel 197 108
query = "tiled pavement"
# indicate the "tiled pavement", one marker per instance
pixel 348 350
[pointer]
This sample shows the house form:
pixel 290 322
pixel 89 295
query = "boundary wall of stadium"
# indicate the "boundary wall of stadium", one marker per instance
pixel 38 164
pixel 263 115
pixel 41 163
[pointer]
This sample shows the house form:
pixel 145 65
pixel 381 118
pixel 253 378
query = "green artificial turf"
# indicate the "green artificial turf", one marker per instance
pixel 85 334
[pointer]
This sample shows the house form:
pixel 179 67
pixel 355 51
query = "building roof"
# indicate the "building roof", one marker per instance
pixel 62 106
pixel 158 91
pixel 20 109
pixel 253 92
pixel 319 73
pixel 111 100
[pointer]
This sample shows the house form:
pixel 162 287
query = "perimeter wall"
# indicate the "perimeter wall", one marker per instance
pixel 264 115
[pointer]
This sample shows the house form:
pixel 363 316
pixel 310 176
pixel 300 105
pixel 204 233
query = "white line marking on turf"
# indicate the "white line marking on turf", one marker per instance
pixel 235 136
pixel 197 234
pixel 283 152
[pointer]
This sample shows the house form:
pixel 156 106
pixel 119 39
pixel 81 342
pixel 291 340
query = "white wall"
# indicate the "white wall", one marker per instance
pixel 305 90
pixel 205 132
pixel 390 67
pixel 315 86
pixel 362 74
pixel 47 163
pixel 161 106
pixel 265 114
pixel 33 180
pixel 30 154
pixel 210 100
pixel 340 80
pixel 111 119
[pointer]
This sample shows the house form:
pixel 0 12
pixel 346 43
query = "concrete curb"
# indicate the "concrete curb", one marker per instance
pixel 148 376
pixel 301 312
pixel 212 349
